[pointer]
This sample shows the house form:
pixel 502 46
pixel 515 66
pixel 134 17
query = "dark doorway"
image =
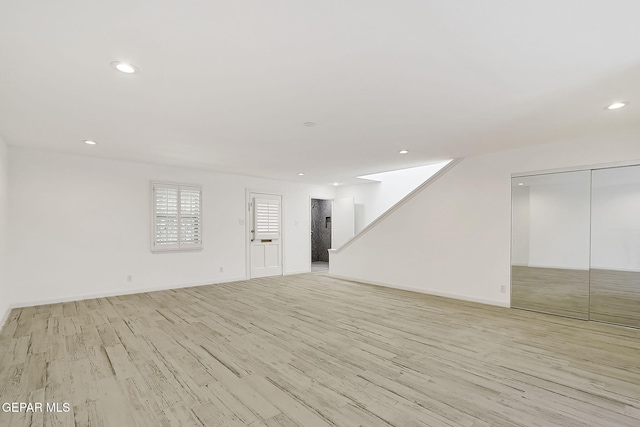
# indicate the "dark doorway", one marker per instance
pixel 320 233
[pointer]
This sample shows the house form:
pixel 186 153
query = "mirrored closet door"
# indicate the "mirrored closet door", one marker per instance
pixel 576 244
pixel 615 246
pixel 550 243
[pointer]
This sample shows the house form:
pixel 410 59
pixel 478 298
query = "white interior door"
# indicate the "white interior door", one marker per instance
pixel 265 235
pixel 343 221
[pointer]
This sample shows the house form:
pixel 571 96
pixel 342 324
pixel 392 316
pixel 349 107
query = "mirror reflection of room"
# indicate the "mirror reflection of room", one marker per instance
pixel 550 243
pixel 576 244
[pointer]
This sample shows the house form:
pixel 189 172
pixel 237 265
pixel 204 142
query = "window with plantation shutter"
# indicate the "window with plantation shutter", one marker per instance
pixel 266 218
pixel 177 217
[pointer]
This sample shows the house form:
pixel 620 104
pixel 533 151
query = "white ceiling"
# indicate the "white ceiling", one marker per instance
pixel 227 85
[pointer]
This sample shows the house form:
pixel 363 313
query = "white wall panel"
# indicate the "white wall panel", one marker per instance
pixel 343 223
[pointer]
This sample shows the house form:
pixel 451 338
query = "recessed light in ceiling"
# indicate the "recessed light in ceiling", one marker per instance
pixel 309 124
pixel 336 183
pixel 616 105
pixel 300 174
pixel 521 183
pixel 125 67
pixel 403 151
pixel 89 142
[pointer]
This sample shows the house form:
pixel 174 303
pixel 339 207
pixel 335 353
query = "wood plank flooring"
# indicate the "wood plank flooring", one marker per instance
pixel 310 350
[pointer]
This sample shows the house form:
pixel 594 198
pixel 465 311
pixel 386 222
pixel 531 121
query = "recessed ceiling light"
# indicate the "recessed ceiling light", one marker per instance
pixel 89 142
pixel 403 151
pixel 125 67
pixel 300 174
pixel 336 183
pixel 309 124
pixel 616 105
pixel 521 183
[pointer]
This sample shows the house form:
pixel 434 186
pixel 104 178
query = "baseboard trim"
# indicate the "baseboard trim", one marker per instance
pixel 118 293
pixel 426 291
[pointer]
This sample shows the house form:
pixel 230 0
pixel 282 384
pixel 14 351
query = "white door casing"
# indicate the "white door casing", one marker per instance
pixel 265 235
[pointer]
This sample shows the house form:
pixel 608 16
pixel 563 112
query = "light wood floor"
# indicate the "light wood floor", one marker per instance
pixel 311 350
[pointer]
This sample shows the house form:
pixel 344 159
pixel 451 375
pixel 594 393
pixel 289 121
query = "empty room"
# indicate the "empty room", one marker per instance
pixel 381 213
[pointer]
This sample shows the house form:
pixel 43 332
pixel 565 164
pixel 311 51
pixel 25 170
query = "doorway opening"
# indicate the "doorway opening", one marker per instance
pixel 321 218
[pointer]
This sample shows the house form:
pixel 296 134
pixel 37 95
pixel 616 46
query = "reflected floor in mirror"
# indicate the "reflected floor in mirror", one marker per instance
pixel 551 290
pixel 615 297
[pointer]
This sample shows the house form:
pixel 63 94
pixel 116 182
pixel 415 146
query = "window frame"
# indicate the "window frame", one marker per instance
pixel 179 246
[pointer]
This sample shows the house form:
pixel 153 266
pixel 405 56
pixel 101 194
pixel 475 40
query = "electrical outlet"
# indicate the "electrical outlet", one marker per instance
pixel 503 288
pixel 221 269
pixel 129 278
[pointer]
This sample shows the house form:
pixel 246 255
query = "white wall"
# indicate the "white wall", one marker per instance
pixel 4 211
pixel 453 238
pixel 372 199
pixel 79 226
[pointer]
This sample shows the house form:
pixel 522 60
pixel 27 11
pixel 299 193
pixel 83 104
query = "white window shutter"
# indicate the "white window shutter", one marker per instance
pixel 177 217
pixel 165 216
pixel 190 227
pixel 266 219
